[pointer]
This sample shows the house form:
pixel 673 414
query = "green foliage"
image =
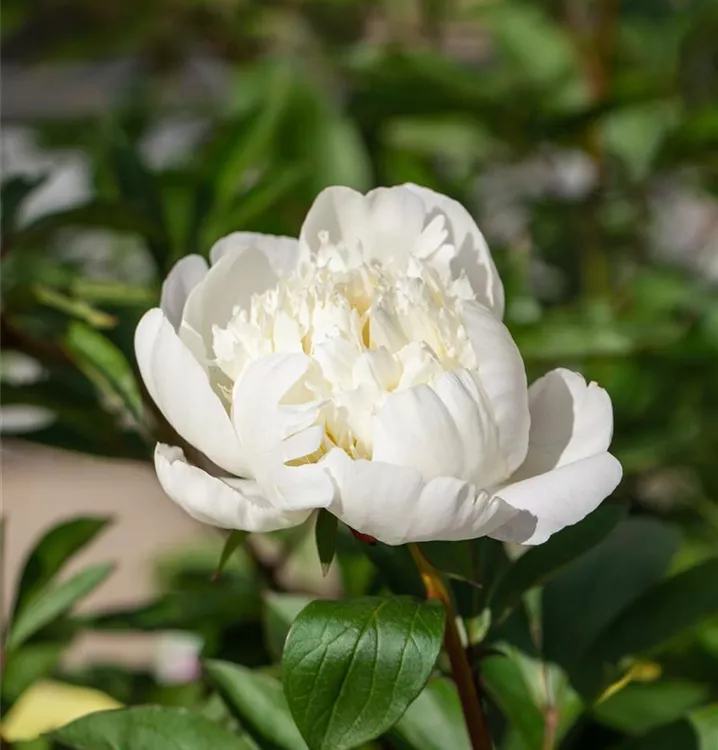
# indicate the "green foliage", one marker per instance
pixel 433 721
pixel 43 599
pixel 146 728
pixel 52 551
pixel 234 540
pixel 48 604
pixel 351 668
pixel 604 637
pixel 260 705
pixel 325 531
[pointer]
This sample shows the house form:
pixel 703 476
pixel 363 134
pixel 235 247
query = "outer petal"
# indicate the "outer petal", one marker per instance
pixel 570 420
pixel 445 431
pixel 502 378
pixel 558 498
pixel 179 386
pixel 278 422
pixel 395 505
pixel 229 504
pixel 181 280
pixel 473 255
pixel 282 252
pixel 567 471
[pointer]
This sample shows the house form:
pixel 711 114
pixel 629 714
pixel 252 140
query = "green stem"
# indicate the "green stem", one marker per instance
pixel 460 667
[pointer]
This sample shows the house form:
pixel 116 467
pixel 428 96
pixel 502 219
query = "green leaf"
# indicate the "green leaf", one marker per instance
pixel 434 721
pixel 325 533
pixel 258 201
pixel 341 157
pixel 52 601
pixel 259 703
pixel 75 308
pixel 585 597
pixel 523 688
pixel 234 540
pixel 352 668
pixel 146 728
pixel 698 731
pixel 639 708
pixel 661 613
pixel 505 684
pixel 281 610
pixel 106 366
pixel 540 563
pixel 13 193
pixel 25 666
pixel 55 548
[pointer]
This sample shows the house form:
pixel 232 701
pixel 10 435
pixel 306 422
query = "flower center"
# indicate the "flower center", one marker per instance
pixel 369 331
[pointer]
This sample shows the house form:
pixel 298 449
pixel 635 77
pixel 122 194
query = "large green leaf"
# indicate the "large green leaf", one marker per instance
pixel 539 564
pixel 147 728
pixel 662 612
pixel 351 668
pixel 259 702
pixel 54 600
pixel 48 556
pixel 434 721
pixel 585 597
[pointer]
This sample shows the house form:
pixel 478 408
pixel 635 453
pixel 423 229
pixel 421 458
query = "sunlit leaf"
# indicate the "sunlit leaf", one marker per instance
pixel 351 668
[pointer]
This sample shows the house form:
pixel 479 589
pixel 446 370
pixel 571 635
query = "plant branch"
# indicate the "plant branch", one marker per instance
pixel 460 667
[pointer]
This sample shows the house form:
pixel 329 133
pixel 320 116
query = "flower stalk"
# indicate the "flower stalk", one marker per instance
pixel 460 667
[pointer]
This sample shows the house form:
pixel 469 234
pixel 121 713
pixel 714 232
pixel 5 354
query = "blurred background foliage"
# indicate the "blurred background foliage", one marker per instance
pixel 583 136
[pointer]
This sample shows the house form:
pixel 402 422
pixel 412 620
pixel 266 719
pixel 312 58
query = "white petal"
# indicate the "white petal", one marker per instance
pixel 276 419
pixel 559 498
pixel 570 420
pixel 445 431
pixel 229 504
pixel 230 283
pixel 473 255
pixel 179 386
pixel 502 378
pixel 394 504
pixel 282 252
pixel 181 280
pixel 396 220
pixel 340 212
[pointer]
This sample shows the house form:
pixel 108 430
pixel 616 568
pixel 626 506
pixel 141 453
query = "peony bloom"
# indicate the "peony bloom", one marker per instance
pixel 364 368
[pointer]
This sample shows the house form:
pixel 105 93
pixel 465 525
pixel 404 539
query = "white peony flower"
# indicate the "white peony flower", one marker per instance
pixel 364 368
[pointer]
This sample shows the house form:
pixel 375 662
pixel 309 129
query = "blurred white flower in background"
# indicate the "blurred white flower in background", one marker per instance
pixel 364 368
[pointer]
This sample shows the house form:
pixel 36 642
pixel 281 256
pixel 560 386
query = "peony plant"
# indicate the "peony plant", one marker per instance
pixel 363 372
